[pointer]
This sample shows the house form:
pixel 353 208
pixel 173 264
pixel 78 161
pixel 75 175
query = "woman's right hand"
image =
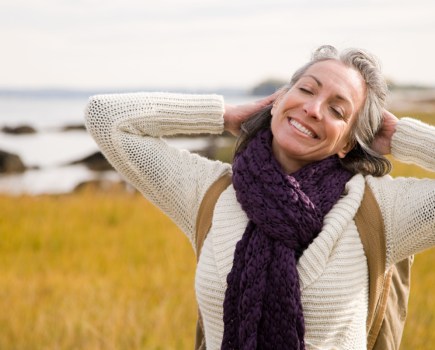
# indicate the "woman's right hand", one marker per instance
pixel 382 141
pixel 235 115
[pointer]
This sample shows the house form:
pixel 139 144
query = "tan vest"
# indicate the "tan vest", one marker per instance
pixel 388 290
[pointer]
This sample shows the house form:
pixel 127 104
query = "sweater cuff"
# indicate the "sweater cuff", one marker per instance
pixel 205 112
pixel 414 142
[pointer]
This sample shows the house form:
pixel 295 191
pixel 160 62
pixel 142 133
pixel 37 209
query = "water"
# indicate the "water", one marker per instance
pixel 41 113
pixel 50 151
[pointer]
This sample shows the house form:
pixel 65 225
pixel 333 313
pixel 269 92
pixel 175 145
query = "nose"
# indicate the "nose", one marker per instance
pixel 313 109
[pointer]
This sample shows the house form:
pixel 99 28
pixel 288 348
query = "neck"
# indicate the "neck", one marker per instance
pixel 289 165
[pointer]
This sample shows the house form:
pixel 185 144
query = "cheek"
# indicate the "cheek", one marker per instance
pixel 273 124
pixel 338 129
pixel 342 135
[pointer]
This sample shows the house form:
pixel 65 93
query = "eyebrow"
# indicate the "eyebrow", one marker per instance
pixel 319 83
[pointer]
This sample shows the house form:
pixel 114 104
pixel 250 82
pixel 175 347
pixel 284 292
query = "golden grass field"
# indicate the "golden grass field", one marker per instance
pixel 94 270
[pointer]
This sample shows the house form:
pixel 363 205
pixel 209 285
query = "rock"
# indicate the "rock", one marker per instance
pixel 105 186
pixel 10 163
pixel 73 127
pixel 95 161
pixel 19 130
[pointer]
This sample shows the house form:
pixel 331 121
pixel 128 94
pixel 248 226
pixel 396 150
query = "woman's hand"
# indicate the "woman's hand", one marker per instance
pixel 382 141
pixel 234 116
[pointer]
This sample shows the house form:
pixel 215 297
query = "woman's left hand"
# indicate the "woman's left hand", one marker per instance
pixel 382 141
pixel 234 116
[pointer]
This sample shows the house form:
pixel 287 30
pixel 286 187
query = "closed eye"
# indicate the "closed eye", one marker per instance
pixel 306 91
pixel 337 112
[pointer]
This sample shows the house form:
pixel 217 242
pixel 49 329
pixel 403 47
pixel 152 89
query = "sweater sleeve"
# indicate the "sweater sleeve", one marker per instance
pixel 408 204
pixel 414 142
pixel 128 129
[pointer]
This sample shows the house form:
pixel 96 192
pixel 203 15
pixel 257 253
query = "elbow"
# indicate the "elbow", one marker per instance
pixel 97 119
pixel 93 109
pixel 97 115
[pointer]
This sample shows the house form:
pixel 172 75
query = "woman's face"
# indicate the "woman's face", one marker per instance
pixel 313 120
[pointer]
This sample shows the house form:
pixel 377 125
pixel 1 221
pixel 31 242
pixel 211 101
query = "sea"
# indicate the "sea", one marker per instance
pixel 48 152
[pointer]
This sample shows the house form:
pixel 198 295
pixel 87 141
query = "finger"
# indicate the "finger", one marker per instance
pixel 269 99
pixel 389 115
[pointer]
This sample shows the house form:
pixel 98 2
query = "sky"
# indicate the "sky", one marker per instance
pixel 101 44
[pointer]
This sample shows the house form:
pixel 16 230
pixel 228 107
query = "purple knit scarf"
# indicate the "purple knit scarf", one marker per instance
pixel 262 307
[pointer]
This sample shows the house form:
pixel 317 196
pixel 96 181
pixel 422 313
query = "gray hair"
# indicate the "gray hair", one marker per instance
pixel 361 159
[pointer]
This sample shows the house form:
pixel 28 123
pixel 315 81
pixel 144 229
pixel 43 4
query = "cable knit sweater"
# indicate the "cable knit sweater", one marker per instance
pixel 333 269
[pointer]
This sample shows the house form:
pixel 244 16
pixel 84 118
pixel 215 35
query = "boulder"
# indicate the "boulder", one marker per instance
pixel 10 163
pixel 19 130
pixel 73 127
pixel 107 186
pixel 95 161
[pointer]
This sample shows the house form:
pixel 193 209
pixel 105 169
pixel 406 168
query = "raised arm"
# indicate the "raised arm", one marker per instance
pixel 408 204
pixel 128 129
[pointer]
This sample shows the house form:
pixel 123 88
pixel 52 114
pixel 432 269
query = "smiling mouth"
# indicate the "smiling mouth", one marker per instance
pixel 302 128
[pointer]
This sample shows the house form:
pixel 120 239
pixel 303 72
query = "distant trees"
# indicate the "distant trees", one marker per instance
pixel 270 85
pixel 267 87
pixel 394 86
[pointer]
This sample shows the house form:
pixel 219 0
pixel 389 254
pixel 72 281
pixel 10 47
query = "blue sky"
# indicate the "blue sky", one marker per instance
pixel 87 44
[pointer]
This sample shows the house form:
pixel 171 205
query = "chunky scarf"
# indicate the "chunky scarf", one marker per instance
pixel 262 307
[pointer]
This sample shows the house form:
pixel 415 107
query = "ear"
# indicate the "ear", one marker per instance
pixel 346 149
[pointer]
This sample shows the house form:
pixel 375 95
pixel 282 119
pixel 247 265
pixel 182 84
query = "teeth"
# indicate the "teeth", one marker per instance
pixel 301 128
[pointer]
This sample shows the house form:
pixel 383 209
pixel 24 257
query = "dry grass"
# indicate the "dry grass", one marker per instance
pixel 93 271
pixel 419 334
pixel 96 271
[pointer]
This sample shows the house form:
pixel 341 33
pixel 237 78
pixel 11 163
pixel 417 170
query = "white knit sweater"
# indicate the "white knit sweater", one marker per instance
pixel 333 269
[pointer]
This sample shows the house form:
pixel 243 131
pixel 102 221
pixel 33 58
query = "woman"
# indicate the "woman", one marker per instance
pixel 283 266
